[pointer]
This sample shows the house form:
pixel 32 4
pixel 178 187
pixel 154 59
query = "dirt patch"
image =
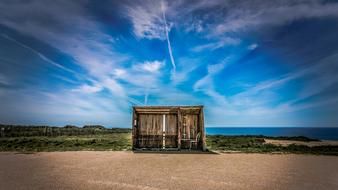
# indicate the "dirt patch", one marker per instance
pixel 310 144
pixel 128 170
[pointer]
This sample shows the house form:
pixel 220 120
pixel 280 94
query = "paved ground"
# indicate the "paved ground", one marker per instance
pixel 127 170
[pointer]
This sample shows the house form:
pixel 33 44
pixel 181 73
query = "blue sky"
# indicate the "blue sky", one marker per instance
pixel 250 63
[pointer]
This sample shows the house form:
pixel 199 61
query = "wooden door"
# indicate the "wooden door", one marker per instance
pixel 150 131
pixel 189 129
pixel 171 131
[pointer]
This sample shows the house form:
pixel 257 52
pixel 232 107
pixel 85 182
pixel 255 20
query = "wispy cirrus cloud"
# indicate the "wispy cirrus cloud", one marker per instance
pixel 206 83
pixel 226 41
pixel 254 14
pixel 150 22
pixel 147 20
pixel 78 42
pixel 88 88
pixel 43 57
pixel 264 98
pixel 256 100
pixel 4 80
pixel 252 46
pixel 97 63
pixel 79 37
pixel 150 66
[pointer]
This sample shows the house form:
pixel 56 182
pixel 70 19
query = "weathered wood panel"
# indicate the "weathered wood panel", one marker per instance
pixel 179 128
pixel 182 124
pixel 171 131
pixel 189 129
pixel 134 128
pixel 202 143
pixel 150 131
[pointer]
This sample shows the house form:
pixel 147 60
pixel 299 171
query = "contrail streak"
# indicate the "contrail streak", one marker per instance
pixel 38 54
pixel 43 57
pixel 46 59
pixel 168 39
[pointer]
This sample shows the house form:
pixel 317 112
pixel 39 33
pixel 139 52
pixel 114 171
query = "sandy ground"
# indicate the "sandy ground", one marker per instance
pixel 311 143
pixel 128 170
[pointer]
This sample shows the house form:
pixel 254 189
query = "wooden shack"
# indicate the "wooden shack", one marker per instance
pixel 168 127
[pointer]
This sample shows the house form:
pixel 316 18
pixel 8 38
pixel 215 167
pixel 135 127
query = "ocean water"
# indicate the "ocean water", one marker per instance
pixel 317 133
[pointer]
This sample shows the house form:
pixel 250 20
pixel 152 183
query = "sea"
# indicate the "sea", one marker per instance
pixel 321 133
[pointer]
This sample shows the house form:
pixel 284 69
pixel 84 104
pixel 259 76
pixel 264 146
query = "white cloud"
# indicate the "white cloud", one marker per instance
pixel 4 80
pixel 226 41
pixel 262 99
pixel 150 66
pixel 88 88
pixel 147 20
pixel 252 15
pixel 77 35
pixel 71 32
pixel 33 106
pixel 215 68
pixel 219 104
pixel 119 73
pixel 114 87
pixel 252 46
pixel 195 26
pixel 310 71
pixel 43 57
pixel 206 83
pixel 256 100
pixel 186 65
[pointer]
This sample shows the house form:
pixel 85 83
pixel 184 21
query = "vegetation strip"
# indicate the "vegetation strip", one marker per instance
pixel 71 138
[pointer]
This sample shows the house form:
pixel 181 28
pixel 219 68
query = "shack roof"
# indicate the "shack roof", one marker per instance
pixel 167 109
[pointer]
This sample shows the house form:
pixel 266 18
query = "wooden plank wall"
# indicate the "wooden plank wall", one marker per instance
pixel 148 132
pixel 134 129
pixel 189 128
pixel 171 131
pixel 179 129
pixel 202 143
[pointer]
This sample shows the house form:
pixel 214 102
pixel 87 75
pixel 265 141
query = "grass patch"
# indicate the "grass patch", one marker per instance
pixel 256 144
pixel 116 141
pixel 50 131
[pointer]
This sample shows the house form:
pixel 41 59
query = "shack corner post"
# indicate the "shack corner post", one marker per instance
pixel 168 128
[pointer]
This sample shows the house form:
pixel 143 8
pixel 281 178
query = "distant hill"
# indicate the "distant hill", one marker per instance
pixel 68 130
pixel 94 127
pixel 70 127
